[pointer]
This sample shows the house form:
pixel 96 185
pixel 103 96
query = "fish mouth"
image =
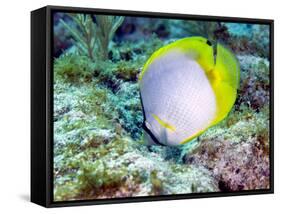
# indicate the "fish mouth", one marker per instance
pixel 146 129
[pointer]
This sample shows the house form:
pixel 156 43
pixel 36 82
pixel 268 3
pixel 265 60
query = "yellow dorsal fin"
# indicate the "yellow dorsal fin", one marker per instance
pixel 164 124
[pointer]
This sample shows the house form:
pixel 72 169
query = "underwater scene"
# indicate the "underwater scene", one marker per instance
pixel 146 106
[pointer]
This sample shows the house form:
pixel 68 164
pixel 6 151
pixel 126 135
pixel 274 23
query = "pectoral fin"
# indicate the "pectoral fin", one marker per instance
pixel 164 124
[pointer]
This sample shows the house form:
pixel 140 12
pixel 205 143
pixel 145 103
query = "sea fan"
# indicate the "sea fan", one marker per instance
pixel 92 35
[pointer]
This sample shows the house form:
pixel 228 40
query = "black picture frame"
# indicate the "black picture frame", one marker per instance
pixel 42 105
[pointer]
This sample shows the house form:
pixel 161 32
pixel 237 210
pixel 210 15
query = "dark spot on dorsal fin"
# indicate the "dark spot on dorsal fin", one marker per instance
pixel 209 43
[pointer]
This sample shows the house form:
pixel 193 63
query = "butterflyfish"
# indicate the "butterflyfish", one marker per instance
pixel 187 87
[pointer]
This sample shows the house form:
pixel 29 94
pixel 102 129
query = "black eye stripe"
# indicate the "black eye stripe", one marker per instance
pixel 209 43
pixel 146 129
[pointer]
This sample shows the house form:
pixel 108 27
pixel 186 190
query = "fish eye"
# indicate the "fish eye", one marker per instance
pixel 209 43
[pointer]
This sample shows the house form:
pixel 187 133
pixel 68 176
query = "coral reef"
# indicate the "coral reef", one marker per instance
pixel 129 110
pixel 99 150
pixel 238 157
pixel 249 39
pixel 73 67
pixel 254 88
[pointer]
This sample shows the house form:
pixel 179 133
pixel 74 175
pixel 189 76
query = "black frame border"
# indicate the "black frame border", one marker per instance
pixel 48 144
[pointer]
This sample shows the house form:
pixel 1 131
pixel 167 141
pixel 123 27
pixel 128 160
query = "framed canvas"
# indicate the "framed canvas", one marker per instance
pixel 131 106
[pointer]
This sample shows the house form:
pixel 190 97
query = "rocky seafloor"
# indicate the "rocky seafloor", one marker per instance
pixel 98 146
